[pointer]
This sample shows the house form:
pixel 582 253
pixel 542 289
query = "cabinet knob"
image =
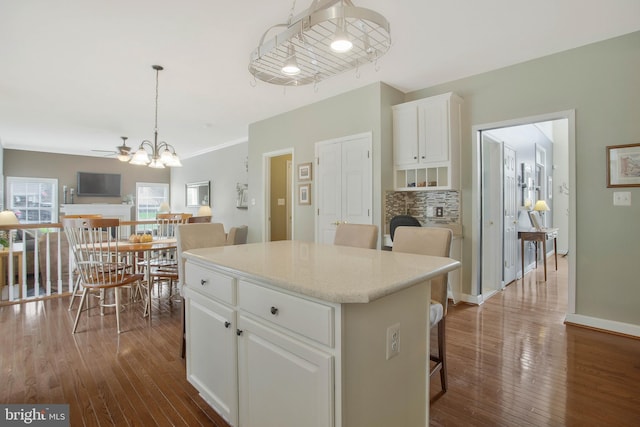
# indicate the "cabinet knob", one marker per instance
pixel 202 282
pixel 227 324
pixel 423 157
pixel 238 332
pixel 415 157
pixel 274 310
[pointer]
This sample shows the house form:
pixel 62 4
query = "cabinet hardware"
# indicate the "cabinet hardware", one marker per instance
pixel 202 282
pixel 227 324
pixel 238 332
pixel 274 310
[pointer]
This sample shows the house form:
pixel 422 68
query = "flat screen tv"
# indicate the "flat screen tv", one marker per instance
pixel 98 184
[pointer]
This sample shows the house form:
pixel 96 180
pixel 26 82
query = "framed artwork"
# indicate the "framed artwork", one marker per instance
pixel 304 172
pixel 242 200
pixel 536 221
pixel 623 165
pixel 304 194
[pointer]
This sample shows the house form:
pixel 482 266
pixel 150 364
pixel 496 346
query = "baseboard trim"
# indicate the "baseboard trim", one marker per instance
pixel 604 325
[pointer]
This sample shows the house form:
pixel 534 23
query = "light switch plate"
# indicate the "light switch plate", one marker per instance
pixel 622 198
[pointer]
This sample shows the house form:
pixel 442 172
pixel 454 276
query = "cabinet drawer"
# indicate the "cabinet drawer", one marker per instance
pixel 209 282
pixel 308 318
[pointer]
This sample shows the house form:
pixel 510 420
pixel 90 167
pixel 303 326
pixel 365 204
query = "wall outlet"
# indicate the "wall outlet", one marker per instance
pixel 622 198
pixel 439 211
pixel 393 340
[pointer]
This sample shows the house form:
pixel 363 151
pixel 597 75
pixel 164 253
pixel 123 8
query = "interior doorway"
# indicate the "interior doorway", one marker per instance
pixel 513 164
pixel 278 175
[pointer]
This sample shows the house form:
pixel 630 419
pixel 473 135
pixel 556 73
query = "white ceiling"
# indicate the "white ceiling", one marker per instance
pixel 75 75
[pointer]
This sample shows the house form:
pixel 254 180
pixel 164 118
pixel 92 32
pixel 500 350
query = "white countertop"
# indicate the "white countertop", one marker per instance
pixel 331 273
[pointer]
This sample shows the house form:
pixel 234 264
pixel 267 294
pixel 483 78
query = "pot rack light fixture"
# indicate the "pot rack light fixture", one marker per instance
pixel 161 153
pixel 328 38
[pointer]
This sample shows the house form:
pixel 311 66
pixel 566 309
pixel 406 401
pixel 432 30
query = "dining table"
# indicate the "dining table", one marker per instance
pixel 148 250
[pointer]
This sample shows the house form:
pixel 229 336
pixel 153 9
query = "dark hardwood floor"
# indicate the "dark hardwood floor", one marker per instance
pixel 136 378
pixel 512 362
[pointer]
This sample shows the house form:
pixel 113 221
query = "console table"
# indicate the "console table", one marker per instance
pixel 539 236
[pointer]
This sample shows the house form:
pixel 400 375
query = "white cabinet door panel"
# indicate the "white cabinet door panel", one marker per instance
pixel 212 354
pixel 282 381
pixel 433 131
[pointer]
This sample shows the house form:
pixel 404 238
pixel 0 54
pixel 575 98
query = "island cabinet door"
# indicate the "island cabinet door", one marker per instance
pixel 212 354
pixel 282 381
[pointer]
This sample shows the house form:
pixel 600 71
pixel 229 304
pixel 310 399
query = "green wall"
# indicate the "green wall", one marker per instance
pixel 361 110
pixel 599 81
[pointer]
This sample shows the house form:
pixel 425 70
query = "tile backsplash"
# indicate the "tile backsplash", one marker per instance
pixel 423 205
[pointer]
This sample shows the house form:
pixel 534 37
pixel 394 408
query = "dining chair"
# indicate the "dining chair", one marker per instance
pixel 99 263
pixel 164 265
pixel 436 242
pixel 237 235
pixel 195 236
pixel 76 283
pixel 167 223
pixel 356 235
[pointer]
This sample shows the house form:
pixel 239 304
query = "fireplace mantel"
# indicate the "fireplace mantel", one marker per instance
pixel 107 210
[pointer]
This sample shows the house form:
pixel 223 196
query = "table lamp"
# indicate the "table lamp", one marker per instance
pixel 164 208
pixel 541 206
pixel 7 218
pixel 204 211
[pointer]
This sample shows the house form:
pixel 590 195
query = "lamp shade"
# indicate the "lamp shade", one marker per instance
pixel 164 208
pixel 541 205
pixel 204 211
pixel 8 217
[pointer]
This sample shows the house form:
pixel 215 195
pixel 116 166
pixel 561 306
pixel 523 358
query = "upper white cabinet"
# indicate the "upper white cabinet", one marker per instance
pixel 426 143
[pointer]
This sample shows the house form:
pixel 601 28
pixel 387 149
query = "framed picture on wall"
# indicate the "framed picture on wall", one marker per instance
pixel 623 165
pixel 304 172
pixel 304 194
pixel 536 221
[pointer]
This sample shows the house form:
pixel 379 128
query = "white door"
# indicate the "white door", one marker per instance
pixel 492 216
pixel 510 215
pixel 282 382
pixel 344 184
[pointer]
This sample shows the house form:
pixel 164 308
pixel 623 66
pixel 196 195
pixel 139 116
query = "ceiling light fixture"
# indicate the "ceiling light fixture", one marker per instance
pixel 329 38
pixel 162 153
pixel 290 67
pixel 124 152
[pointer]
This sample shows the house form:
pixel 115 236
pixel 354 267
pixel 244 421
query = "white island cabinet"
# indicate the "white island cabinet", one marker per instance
pixel 298 334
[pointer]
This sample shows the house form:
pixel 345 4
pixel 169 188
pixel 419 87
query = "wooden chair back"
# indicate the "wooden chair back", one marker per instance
pixel 168 222
pixel 94 245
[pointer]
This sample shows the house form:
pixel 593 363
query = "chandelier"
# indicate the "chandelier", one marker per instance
pixel 330 37
pixel 162 154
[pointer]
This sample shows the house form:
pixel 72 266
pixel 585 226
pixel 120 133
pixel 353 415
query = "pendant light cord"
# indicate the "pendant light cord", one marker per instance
pixel 157 78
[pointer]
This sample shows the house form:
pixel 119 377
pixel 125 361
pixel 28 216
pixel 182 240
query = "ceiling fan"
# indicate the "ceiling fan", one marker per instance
pixel 123 152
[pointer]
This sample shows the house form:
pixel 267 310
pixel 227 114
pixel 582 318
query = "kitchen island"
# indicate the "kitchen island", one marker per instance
pixel 301 334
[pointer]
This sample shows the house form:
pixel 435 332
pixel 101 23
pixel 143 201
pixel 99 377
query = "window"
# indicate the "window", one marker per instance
pixel 149 196
pixel 34 200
